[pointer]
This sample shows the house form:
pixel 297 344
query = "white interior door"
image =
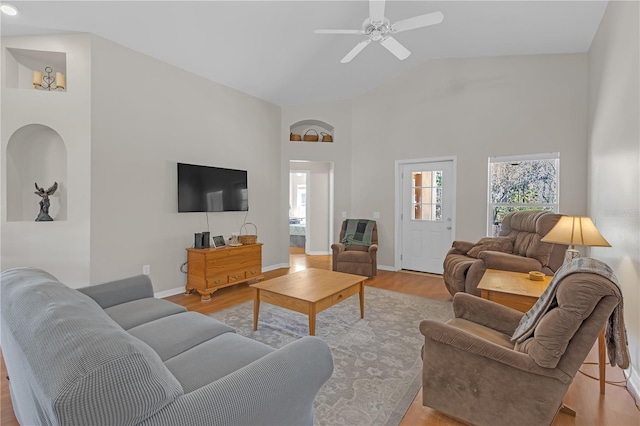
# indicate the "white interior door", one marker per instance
pixel 427 215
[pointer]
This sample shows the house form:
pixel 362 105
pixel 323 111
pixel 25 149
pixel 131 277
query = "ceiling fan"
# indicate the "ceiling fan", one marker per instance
pixel 378 28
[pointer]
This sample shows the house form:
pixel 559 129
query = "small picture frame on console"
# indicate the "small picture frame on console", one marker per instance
pixel 218 241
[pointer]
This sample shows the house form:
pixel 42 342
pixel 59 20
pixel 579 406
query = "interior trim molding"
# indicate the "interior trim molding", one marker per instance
pixel 633 385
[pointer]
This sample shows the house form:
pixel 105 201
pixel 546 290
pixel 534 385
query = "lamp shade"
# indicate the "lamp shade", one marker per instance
pixel 576 230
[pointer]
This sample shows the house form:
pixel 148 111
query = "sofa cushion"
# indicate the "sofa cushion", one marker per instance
pixel 501 244
pixel 172 335
pixel 137 312
pixel 84 369
pixel 357 256
pixel 215 359
pixel 526 228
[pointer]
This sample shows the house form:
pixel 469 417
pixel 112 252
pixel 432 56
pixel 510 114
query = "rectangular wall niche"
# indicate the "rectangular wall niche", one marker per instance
pixel 21 63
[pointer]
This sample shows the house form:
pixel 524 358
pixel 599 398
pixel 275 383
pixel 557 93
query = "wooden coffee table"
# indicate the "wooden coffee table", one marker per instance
pixel 308 291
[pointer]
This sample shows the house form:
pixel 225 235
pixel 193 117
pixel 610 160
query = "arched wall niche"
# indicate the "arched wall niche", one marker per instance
pixel 35 154
pixel 302 126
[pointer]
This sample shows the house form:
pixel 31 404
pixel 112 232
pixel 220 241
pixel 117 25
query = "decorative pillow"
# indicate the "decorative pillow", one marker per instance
pixel 502 244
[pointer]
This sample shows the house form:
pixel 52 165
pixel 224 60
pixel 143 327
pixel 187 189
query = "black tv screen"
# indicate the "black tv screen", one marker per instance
pixel 211 189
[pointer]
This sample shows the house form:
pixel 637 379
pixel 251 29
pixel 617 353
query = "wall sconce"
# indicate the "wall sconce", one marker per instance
pixel 49 82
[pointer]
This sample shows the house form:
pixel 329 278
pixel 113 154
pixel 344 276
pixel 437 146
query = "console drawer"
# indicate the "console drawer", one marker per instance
pixel 238 275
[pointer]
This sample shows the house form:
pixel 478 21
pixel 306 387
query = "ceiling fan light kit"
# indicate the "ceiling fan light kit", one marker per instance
pixel 378 28
pixel 8 9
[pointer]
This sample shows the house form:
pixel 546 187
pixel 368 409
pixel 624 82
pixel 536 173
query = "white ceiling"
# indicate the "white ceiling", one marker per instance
pixel 268 48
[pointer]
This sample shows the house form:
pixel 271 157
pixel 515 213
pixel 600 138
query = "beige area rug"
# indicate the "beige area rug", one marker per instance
pixel 377 360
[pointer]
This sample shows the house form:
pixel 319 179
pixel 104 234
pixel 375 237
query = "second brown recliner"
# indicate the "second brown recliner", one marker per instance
pixel 355 258
pixel 518 249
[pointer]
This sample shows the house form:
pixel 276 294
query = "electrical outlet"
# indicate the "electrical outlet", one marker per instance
pixel 376 215
pixel 344 215
pixel 146 269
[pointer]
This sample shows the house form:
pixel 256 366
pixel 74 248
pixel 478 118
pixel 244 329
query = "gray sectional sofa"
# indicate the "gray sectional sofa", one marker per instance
pixel 113 354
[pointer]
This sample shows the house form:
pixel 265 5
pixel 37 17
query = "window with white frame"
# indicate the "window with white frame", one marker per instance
pixel 523 182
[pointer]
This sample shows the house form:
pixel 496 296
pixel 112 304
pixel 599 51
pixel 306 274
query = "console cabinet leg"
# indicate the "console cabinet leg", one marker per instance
pixel 205 295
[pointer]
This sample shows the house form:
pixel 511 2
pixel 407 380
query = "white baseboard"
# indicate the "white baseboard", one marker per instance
pixel 387 268
pixel 178 290
pixel 633 385
pixel 274 267
pixel 167 293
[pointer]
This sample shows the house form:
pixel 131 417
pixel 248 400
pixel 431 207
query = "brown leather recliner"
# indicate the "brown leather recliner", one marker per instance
pixel 356 259
pixel 518 249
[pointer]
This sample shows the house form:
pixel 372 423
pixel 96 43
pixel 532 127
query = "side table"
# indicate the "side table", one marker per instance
pixel 516 290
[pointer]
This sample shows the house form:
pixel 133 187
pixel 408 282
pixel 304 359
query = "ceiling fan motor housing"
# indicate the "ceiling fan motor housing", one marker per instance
pixel 376 30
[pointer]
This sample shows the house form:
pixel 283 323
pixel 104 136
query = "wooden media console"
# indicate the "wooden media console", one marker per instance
pixel 211 269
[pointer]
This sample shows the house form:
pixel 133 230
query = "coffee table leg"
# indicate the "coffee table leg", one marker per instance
pixel 256 308
pixel 312 320
pixel 362 299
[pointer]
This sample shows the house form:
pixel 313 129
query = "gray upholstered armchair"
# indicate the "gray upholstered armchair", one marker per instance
pixel 356 259
pixel 517 249
pixel 474 372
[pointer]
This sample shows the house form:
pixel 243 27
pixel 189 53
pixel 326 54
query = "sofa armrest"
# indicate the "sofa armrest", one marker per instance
pixel 277 389
pixel 478 353
pixel 373 248
pixel 487 313
pixel 461 247
pixel 509 262
pixel 120 291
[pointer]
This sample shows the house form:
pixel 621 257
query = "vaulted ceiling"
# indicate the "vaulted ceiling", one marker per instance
pixel 268 49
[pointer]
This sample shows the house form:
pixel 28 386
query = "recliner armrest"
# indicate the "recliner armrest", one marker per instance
pixel 509 262
pixel 337 248
pixel 473 349
pixel 487 313
pixel 373 248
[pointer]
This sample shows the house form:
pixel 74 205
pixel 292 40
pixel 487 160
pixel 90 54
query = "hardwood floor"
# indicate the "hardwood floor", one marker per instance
pixel 617 407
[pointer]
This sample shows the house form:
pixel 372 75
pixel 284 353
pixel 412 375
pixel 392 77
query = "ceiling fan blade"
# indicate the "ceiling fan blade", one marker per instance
pixel 338 32
pixel 417 22
pixel 394 46
pixel 376 10
pixel 352 54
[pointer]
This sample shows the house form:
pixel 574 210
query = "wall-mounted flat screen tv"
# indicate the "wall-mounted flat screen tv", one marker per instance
pixel 211 189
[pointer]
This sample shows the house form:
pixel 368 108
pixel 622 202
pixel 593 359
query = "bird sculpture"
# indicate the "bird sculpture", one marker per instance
pixel 43 216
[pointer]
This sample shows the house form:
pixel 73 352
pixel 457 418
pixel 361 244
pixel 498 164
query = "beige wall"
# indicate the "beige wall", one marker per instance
pixel 471 109
pixel 147 116
pixel 614 156
pixel 61 247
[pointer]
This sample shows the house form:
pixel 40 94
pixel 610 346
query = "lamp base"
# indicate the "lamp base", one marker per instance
pixel 570 255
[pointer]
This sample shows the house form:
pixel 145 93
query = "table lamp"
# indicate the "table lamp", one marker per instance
pixel 575 230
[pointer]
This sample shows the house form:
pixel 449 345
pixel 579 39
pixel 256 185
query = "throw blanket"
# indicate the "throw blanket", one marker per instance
pixel 358 231
pixel 615 335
